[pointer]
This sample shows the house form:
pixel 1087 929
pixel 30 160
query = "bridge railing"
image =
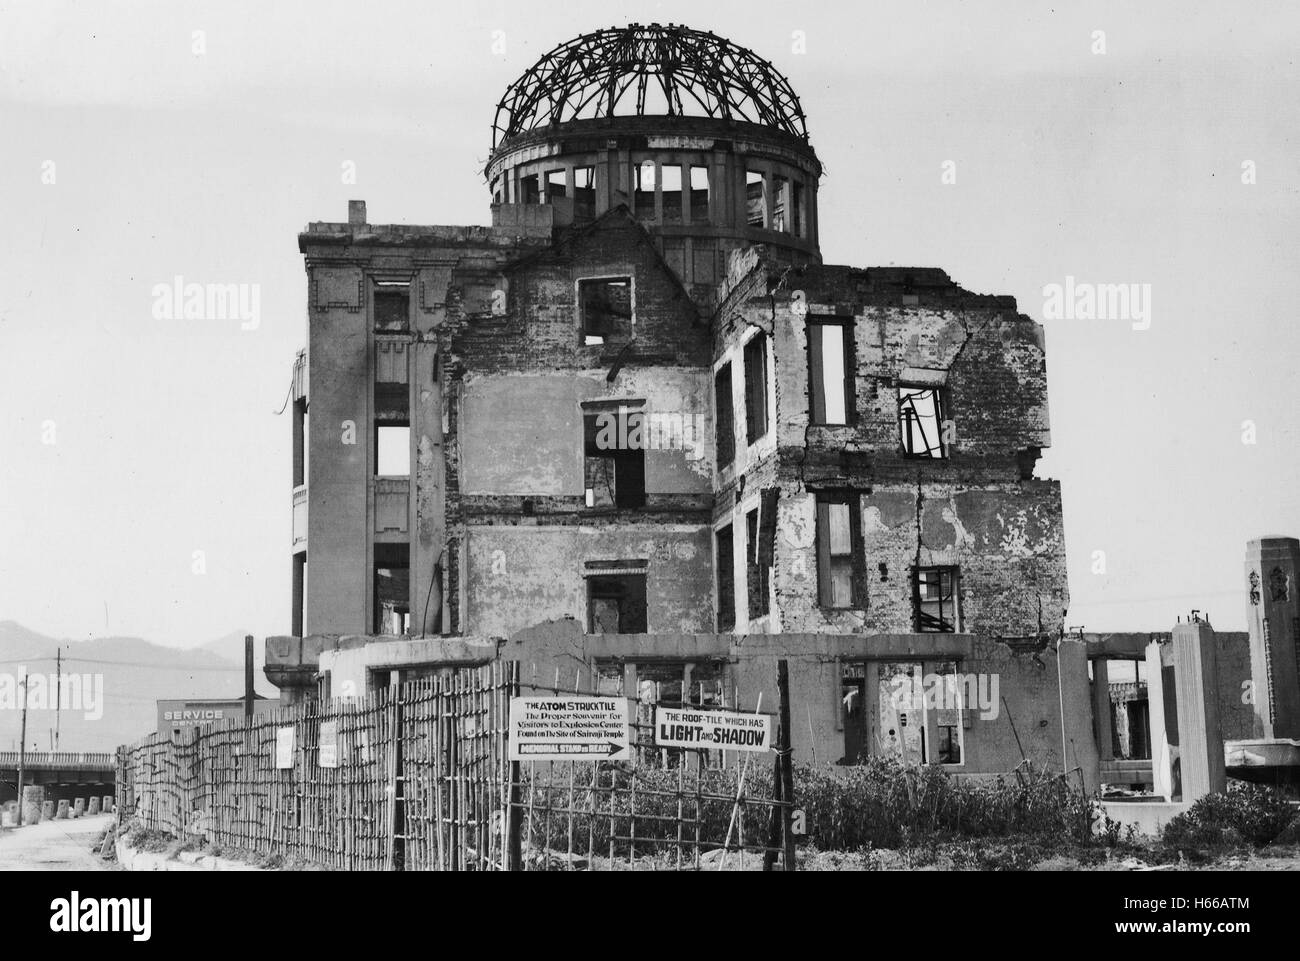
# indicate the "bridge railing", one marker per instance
pixel 35 760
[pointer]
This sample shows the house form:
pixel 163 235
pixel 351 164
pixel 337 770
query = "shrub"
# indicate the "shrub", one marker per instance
pixel 1247 813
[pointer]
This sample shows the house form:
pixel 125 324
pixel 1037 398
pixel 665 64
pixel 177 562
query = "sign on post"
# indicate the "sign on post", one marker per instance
pixel 329 744
pixel 284 748
pixel 569 727
pixel 722 730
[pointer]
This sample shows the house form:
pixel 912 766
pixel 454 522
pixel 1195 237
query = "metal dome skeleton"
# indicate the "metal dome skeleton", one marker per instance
pixel 648 71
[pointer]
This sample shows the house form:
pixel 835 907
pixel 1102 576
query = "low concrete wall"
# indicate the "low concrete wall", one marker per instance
pixel 132 860
pixel 1147 816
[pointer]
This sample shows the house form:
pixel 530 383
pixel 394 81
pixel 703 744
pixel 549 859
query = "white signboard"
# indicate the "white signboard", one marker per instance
pixel 284 748
pixel 569 727
pixel 726 730
pixel 329 744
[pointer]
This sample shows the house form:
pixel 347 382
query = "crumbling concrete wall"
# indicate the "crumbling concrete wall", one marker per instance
pixel 517 575
pixel 1023 722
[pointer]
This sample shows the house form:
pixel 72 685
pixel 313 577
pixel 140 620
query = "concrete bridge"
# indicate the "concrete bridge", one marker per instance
pixel 63 774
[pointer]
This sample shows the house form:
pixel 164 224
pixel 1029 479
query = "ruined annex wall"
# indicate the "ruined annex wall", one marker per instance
pixel 1005 538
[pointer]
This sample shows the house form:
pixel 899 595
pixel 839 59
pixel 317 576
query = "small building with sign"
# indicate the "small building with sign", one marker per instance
pixel 175 716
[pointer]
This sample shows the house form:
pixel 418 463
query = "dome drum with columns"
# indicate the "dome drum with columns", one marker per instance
pixel 703 141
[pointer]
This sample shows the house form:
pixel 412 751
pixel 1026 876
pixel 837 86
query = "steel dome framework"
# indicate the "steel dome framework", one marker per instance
pixel 635 69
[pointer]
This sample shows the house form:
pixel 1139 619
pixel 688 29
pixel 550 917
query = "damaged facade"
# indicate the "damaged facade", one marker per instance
pixel 636 434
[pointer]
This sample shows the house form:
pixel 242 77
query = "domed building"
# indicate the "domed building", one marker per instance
pixel 636 435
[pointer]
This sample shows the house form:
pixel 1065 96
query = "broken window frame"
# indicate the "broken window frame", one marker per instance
pixel 530 189
pixel 818 401
pixel 645 183
pixel 756 214
pixel 724 417
pixel 555 188
pixel 633 604
pixel 672 197
pixel 760 543
pixel 699 205
pixel 584 193
pixel 856 678
pixel 938 612
pixel 755 358
pixel 396 562
pixel 390 309
pixel 622 469
pixel 593 330
pixel 829 561
pixel 914 437
pixel 724 546
pixel 781 203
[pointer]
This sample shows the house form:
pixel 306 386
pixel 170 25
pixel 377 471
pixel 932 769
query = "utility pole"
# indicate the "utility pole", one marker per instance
pixel 248 676
pixel 58 692
pixel 22 752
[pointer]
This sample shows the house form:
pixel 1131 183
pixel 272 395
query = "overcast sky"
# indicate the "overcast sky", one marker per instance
pixel 133 151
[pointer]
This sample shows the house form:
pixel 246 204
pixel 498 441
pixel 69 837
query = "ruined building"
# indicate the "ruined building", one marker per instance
pixel 638 435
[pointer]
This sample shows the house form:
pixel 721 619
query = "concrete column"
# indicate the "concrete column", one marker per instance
pixel 1200 742
pixel 61 811
pixel 1273 619
pixel 1077 739
pixel 1161 757
pixel 1101 708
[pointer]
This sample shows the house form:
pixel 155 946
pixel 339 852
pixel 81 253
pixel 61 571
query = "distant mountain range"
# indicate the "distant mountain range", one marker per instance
pixel 134 674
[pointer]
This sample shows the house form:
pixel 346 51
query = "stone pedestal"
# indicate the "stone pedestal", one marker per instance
pixel 1273 619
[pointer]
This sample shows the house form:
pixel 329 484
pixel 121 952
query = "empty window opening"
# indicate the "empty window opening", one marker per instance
pixel 670 187
pixel 643 194
pixel 760 526
pixel 616 604
pixel 724 430
pixel 529 193
pixel 830 380
pixel 392 589
pixel 393 450
pixel 299 610
pixel 756 387
pixel 830 350
pixel 797 209
pixel 584 193
pixel 392 306
pixel 614 457
pixel 780 203
pixel 496 190
pixel 755 199
pixel 840 561
pixel 920 421
pixel 300 442
pixel 555 185
pixel 935 600
pixel 606 309
pixel 725 548
pixel 699 195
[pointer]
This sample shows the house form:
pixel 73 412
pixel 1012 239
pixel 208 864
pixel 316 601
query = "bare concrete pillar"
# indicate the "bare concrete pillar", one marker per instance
pixel 1200 742
pixel 78 807
pixel 1101 708
pixel 92 806
pixel 1273 619
pixel 1077 736
pixel 47 810
pixel 1161 751
pixel 61 812
pixel 108 804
